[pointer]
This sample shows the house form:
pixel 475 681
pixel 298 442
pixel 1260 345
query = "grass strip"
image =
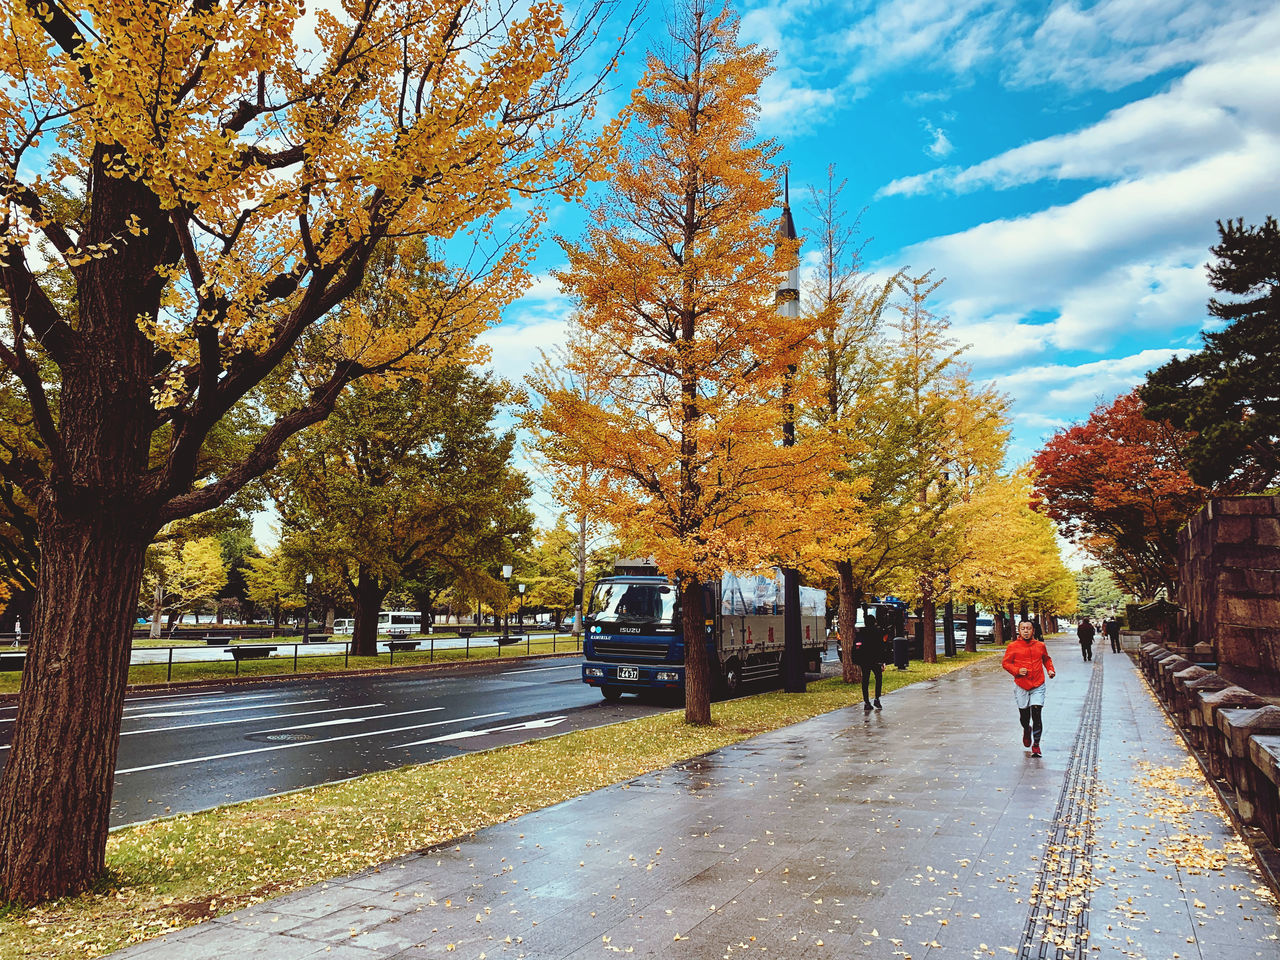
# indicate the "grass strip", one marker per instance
pixel 225 670
pixel 171 873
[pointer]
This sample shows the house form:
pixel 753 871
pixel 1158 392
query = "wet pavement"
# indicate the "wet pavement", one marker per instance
pixel 925 829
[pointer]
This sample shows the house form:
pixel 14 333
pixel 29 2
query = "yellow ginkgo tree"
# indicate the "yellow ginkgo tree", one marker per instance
pixel 676 277
pixel 188 189
pixel 180 578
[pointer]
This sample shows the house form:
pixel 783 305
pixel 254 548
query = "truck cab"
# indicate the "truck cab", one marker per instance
pixel 633 639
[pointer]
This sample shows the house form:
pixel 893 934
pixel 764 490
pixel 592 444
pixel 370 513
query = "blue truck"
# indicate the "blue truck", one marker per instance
pixel 634 641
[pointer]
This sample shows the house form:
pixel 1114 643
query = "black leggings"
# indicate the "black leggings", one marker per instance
pixel 879 671
pixel 1030 717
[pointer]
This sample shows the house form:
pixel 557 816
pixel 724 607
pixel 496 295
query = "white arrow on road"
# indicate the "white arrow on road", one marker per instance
pixel 543 724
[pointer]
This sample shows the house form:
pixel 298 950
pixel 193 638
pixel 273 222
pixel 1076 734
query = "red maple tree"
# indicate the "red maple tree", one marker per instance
pixel 1117 485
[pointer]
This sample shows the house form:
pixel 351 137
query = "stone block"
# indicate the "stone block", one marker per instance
pixel 1264 757
pixel 1187 685
pixel 1238 728
pixel 1230 697
pixel 1211 703
pixel 1189 673
pixel 1267 532
pixel 1246 647
pixel 1246 582
pixel 1235 530
pixel 1244 506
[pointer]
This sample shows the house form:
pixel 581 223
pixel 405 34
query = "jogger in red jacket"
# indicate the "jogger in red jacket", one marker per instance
pixel 1027 660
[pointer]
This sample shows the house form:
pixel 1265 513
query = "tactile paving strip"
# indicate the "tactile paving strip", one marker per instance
pixel 1058 922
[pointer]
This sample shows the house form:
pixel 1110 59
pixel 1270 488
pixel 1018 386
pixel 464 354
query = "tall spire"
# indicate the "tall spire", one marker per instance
pixel 786 226
pixel 788 297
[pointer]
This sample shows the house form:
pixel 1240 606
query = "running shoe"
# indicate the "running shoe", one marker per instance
pixel 1035 750
pixel 877 703
pixel 1026 736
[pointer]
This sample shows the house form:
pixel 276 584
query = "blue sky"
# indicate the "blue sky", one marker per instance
pixel 1062 165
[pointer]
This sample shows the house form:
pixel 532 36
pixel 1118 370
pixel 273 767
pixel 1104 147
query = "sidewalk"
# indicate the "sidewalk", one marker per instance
pixel 922 830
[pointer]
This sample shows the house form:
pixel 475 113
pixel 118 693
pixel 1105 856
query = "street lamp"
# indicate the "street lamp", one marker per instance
pixel 306 613
pixel 506 596
pixel 520 616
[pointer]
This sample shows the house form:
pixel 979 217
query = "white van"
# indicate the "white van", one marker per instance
pixel 400 621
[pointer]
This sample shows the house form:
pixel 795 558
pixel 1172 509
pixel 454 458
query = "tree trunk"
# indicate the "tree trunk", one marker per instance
pixel 929 618
pixel 368 597
pixel 157 611
pixel 55 794
pixel 700 673
pixel 426 608
pixel 580 599
pixel 949 628
pixel 971 628
pixel 848 620
pixel 793 664
pixel 997 626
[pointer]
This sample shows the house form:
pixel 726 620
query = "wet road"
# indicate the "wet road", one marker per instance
pixel 181 752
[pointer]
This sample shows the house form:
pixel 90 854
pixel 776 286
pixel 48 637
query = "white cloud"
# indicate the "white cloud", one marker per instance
pixel 940 146
pixel 788 103
pixel 533 324
pixel 1113 43
pixel 1122 237
pixel 1207 111
pixel 1049 397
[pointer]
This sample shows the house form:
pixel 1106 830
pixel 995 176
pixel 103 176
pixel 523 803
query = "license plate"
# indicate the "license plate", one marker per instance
pixel 628 673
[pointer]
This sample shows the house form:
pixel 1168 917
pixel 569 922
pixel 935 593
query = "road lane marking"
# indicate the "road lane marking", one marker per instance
pixel 566 666
pixel 195 699
pixel 306 743
pixel 342 720
pixel 543 724
pixel 273 716
pixel 252 706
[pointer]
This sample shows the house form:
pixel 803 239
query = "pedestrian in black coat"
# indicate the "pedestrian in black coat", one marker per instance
pixel 1086 633
pixel 868 653
pixel 1111 627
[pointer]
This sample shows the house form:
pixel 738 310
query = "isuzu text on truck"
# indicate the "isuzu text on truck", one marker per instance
pixel 634 642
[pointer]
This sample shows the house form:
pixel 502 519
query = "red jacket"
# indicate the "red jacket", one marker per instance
pixel 1033 655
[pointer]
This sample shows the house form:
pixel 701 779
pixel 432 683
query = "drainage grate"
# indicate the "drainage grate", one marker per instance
pixel 1058 924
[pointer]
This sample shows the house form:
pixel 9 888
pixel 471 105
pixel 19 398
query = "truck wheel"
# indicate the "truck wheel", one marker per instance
pixel 732 680
pixel 611 693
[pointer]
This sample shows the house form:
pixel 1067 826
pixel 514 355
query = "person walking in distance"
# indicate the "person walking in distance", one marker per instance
pixel 868 653
pixel 1086 633
pixel 1027 660
pixel 1113 633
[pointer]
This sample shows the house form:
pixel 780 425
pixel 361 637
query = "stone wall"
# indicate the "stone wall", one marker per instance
pixel 1229 582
